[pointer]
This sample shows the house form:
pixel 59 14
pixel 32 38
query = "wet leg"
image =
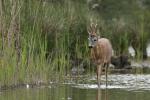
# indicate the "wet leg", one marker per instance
pixel 99 70
pixel 106 73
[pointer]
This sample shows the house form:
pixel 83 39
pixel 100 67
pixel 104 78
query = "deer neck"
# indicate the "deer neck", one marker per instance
pixel 95 48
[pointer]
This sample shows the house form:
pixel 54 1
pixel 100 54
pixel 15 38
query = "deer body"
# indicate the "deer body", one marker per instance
pixel 101 52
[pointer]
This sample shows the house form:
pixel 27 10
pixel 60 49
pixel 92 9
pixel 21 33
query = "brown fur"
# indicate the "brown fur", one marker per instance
pixel 101 53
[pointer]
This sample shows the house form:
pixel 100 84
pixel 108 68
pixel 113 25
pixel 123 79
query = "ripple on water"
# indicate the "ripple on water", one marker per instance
pixel 126 81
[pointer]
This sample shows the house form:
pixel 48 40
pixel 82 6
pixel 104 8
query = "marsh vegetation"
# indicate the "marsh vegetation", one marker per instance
pixel 41 40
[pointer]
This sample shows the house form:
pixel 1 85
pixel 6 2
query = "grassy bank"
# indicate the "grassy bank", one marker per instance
pixel 40 38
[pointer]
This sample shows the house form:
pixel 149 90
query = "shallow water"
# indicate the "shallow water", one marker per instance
pixel 121 87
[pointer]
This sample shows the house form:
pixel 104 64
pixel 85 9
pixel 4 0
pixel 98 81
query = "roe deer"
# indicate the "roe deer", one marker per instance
pixel 101 51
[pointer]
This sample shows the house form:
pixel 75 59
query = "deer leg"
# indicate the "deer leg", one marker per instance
pixel 99 71
pixel 99 94
pixel 106 72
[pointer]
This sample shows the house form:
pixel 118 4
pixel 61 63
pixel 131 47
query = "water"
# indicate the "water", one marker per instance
pixel 121 87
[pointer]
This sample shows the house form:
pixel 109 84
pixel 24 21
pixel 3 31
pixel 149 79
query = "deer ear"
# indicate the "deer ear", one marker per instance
pixel 88 32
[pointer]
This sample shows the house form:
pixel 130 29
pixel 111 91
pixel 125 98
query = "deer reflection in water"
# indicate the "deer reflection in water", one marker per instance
pixel 100 95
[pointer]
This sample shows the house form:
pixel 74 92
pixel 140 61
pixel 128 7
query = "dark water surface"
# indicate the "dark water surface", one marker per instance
pixel 121 87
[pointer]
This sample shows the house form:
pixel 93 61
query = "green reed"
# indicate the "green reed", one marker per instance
pixel 40 39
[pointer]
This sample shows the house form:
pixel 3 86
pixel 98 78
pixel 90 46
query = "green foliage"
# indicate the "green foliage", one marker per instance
pixel 52 33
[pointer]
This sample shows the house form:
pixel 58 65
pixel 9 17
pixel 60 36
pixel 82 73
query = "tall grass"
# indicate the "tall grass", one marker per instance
pixel 39 39
pixel 46 33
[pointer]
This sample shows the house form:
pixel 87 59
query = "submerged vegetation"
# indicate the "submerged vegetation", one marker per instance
pixel 41 38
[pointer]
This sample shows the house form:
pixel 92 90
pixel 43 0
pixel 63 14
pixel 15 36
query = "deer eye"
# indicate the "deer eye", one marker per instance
pixel 92 36
pixel 95 40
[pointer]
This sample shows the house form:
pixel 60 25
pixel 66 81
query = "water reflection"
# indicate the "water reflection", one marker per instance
pixel 68 92
pixel 101 93
pixel 121 87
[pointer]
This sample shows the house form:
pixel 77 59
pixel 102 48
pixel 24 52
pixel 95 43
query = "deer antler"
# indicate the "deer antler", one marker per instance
pixel 92 28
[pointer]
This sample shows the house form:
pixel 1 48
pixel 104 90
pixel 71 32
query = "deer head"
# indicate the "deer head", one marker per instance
pixel 93 38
